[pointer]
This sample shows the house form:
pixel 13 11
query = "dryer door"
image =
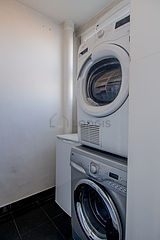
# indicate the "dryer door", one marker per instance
pixel 103 82
pixel 96 212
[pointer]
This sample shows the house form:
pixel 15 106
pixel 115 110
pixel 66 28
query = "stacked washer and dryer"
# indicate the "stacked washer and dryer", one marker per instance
pixel 99 165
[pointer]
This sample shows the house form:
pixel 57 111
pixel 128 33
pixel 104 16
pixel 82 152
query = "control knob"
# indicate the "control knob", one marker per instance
pixel 93 169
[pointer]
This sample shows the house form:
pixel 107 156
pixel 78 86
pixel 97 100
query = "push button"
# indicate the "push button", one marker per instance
pixel 124 190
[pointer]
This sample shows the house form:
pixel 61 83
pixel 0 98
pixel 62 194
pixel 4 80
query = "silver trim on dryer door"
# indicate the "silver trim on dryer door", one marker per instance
pixel 110 206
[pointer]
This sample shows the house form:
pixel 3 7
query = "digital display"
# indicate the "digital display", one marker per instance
pixel 113 175
pixel 122 22
pixel 84 51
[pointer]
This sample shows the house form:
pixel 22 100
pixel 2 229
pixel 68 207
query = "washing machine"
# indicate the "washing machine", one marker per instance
pixel 103 87
pixel 98 193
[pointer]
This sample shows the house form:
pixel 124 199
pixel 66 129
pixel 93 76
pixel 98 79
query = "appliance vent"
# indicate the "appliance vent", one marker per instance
pixel 90 133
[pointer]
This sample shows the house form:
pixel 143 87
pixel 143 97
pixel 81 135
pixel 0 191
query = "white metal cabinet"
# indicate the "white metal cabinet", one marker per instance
pixel 64 143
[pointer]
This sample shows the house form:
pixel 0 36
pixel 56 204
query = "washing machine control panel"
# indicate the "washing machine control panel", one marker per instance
pixel 115 179
pixel 102 172
pixel 109 174
pixel 117 187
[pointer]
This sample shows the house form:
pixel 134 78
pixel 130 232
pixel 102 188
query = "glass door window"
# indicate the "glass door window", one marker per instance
pixel 104 81
pixel 96 213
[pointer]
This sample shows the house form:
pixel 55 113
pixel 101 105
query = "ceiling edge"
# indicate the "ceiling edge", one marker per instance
pixel 52 19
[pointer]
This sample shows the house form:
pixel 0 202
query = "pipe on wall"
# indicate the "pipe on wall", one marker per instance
pixel 68 29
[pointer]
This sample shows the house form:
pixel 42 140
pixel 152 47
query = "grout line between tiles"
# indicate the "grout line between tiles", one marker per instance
pixel 14 221
pixel 32 229
pixel 51 220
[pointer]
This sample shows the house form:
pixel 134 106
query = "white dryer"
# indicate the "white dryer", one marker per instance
pixel 103 88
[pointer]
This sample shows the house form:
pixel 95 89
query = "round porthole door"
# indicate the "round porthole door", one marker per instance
pixel 103 82
pixel 96 212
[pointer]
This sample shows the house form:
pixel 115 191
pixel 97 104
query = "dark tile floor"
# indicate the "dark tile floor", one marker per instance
pixel 39 219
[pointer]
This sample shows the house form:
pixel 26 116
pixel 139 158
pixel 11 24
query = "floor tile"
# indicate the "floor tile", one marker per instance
pixel 63 223
pixel 46 195
pixel 7 229
pixel 36 218
pixel 20 205
pixel 5 210
pixel 43 232
pixel 5 219
pixel 29 218
pixel 52 208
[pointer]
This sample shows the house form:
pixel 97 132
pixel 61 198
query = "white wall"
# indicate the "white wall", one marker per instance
pixel 30 93
pixel 143 210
